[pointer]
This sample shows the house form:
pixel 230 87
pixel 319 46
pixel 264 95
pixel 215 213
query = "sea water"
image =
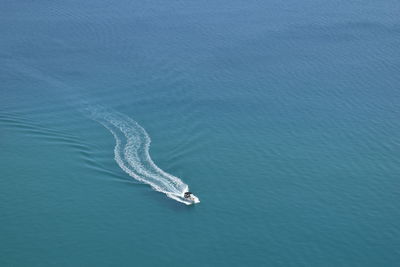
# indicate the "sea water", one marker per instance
pixel 281 116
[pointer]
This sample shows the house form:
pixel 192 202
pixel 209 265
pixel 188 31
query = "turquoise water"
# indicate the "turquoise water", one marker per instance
pixel 282 117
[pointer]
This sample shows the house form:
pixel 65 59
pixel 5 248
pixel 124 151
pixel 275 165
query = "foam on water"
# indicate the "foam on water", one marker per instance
pixel 131 152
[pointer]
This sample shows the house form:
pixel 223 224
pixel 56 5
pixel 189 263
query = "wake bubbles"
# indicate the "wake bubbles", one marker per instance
pixel 131 152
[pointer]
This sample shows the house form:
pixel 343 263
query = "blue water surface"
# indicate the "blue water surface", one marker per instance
pixel 282 116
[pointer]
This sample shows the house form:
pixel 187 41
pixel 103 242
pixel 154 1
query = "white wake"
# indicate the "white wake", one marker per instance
pixel 131 152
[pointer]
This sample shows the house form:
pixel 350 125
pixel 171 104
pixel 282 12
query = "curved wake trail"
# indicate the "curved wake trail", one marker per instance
pixel 131 152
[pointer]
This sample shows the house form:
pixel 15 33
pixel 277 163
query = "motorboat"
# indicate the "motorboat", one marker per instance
pixel 191 198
